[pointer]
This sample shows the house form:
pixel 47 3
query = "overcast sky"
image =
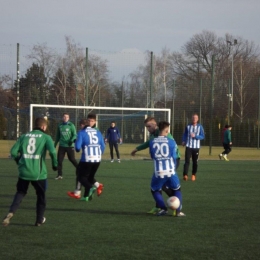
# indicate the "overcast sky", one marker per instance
pixel 116 25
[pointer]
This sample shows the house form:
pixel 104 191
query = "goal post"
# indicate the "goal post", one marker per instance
pixel 130 121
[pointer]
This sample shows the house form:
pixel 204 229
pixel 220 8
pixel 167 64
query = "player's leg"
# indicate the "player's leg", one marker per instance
pixel 21 191
pixel 167 190
pixel 61 155
pixel 174 186
pixel 155 209
pixel 223 153
pixel 40 188
pixel 111 151
pixel 226 147
pixel 76 194
pixel 156 184
pixel 71 156
pixel 117 151
pixel 177 163
pixel 84 169
pixel 96 185
pixel 195 158
pixel 187 163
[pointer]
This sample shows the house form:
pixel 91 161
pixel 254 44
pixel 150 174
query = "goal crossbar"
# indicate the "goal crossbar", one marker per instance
pixel 97 108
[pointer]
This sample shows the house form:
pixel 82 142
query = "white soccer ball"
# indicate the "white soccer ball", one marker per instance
pixel 173 202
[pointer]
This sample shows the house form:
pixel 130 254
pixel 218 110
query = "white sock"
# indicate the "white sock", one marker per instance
pixel 77 192
pixel 96 184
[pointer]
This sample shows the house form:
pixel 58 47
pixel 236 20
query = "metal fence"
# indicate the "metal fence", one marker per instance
pixel 78 76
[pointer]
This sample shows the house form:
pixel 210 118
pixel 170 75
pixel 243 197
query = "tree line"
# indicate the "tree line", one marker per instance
pixel 180 80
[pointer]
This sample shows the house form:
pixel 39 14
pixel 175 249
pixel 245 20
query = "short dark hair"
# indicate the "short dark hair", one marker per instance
pixel 162 125
pixel 83 121
pixel 92 116
pixel 39 122
pixel 148 119
pixel 112 122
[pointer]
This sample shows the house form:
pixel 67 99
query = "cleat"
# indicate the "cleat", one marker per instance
pixel 100 189
pixel 153 210
pixel 193 177
pixel 220 156
pixel 58 177
pixel 73 195
pixel 225 157
pixel 180 214
pixel 39 224
pixel 112 160
pixel 6 220
pixel 185 177
pixel 118 160
pixel 84 199
pixel 91 193
pixel 162 212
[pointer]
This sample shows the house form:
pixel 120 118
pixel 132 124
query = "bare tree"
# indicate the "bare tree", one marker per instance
pixel 46 58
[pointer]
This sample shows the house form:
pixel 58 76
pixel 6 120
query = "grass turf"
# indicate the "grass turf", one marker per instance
pixel 222 221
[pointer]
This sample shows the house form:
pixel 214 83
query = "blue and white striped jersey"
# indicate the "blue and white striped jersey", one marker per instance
pixel 163 151
pixel 91 141
pixel 193 142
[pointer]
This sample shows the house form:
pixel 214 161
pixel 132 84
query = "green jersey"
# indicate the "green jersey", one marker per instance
pixel 66 135
pixel 152 136
pixel 227 137
pixel 30 151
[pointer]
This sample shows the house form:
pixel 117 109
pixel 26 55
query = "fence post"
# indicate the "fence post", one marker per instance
pixel 151 83
pixel 18 93
pixel 86 97
pixel 258 121
pixel 173 95
pixel 211 103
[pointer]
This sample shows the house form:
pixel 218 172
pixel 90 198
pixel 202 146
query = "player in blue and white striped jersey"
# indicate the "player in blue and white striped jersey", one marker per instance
pixel 91 142
pixel 193 133
pixel 163 152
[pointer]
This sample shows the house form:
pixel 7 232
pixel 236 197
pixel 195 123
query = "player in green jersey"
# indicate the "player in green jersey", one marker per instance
pixel 151 125
pixel 29 153
pixel 65 136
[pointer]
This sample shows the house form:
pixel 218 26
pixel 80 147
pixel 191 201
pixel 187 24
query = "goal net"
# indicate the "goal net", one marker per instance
pixel 130 121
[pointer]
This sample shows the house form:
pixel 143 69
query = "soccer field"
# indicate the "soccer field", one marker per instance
pixel 222 221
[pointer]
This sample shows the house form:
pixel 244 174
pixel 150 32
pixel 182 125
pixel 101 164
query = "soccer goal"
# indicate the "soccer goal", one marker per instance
pixel 130 121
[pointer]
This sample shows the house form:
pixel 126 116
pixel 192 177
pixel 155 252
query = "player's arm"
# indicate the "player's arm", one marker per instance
pixel 73 135
pixel 177 150
pixel 78 142
pixel 107 135
pixel 184 136
pixel 140 147
pixel 15 154
pixel 118 135
pixel 102 143
pixel 201 135
pixel 57 139
pixel 52 152
pixel 229 137
pixel 151 149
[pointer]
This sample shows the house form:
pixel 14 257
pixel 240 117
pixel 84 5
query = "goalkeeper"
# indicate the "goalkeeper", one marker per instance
pixel 151 125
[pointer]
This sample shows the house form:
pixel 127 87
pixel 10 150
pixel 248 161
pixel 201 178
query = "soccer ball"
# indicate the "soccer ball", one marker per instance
pixel 173 202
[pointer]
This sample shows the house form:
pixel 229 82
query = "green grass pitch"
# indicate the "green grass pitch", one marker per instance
pixel 222 222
